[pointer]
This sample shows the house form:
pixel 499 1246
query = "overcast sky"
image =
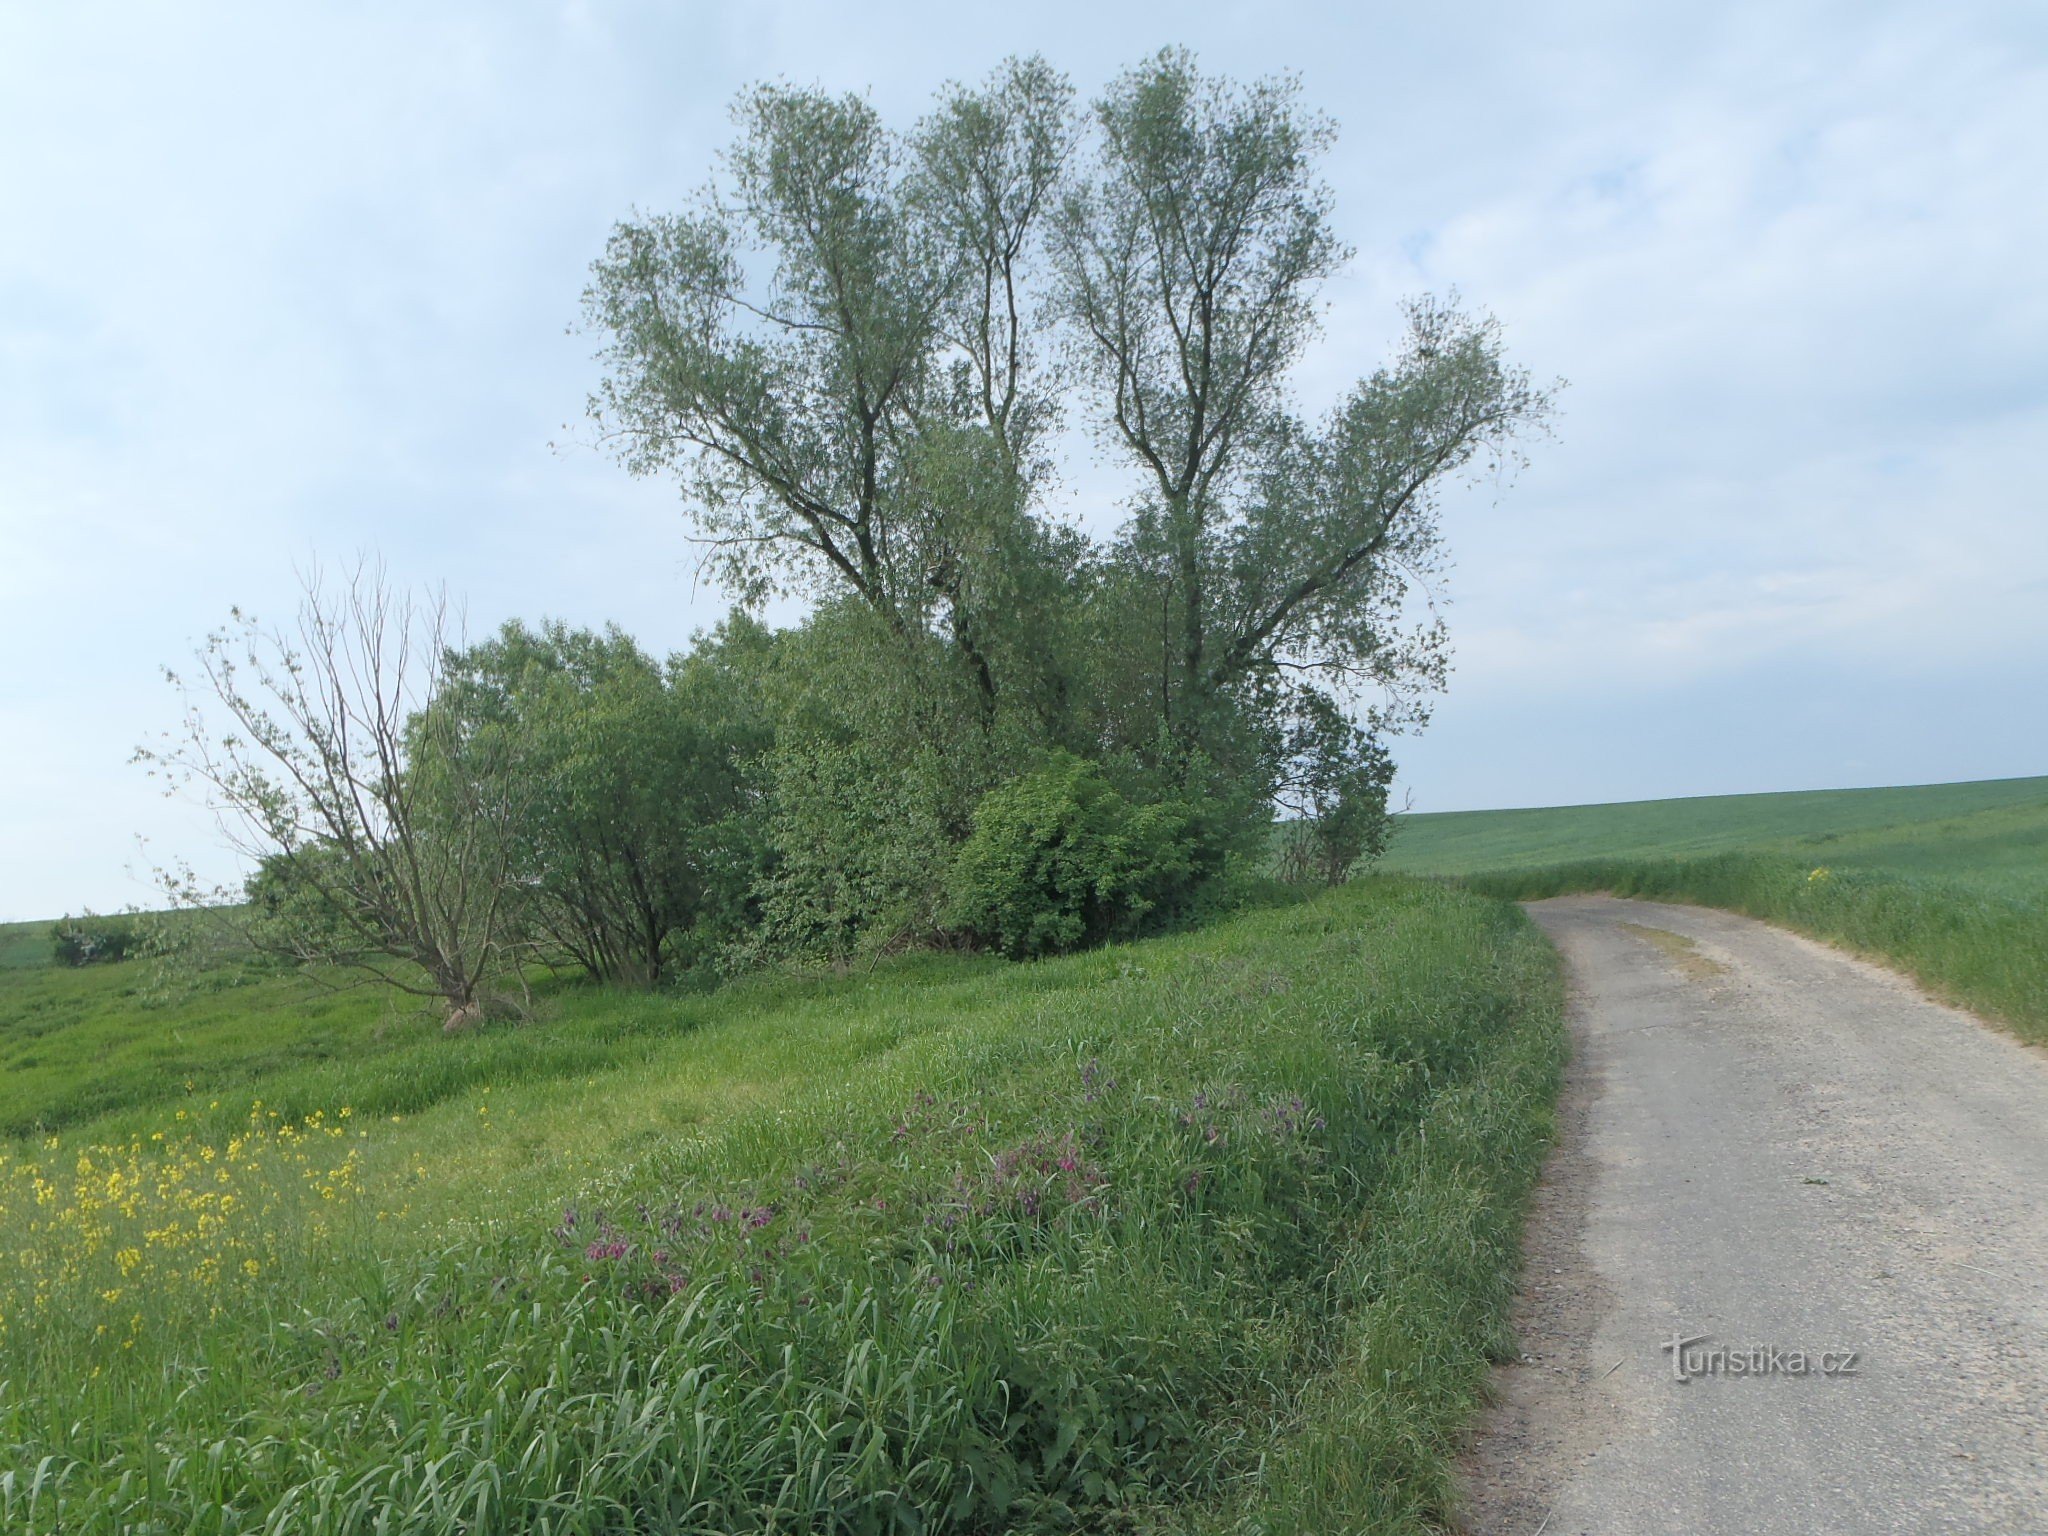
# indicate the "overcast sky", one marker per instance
pixel 284 281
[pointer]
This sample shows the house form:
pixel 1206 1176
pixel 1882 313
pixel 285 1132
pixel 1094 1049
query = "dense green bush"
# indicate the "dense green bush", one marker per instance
pixel 878 762
pixel 93 940
pixel 632 853
pixel 859 856
pixel 1059 860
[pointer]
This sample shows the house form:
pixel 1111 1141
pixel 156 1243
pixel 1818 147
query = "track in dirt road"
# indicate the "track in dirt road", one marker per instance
pixel 1782 1154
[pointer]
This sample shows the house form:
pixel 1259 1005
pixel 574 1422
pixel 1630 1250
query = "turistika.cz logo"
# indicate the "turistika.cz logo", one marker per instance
pixel 1698 1356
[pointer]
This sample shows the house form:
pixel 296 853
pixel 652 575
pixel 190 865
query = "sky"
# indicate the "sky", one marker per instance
pixel 286 283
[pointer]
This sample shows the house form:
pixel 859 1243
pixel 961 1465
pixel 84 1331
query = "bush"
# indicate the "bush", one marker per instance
pixel 630 853
pixel 93 940
pixel 859 855
pixel 1334 781
pixel 1059 860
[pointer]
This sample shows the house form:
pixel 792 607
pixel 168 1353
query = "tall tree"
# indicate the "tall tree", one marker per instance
pixel 316 747
pixel 989 166
pixel 855 349
pixel 1190 266
pixel 870 417
pixel 783 408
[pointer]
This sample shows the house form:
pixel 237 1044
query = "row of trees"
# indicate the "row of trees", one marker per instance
pixel 859 352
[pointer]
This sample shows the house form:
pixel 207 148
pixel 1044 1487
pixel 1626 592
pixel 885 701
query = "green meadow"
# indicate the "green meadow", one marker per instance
pixel 1948 882
pixel 1214 1232
pixel 1993 834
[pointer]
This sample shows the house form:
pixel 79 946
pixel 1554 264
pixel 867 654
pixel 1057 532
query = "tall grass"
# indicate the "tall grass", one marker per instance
pixel 1213 1232
pixel 1983 949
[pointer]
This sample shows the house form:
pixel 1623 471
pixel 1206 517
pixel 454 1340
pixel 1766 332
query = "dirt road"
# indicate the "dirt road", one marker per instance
pixel 1785 1157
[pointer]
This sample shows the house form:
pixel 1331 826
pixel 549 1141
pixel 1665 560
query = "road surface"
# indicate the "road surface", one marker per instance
pixel 1783 1157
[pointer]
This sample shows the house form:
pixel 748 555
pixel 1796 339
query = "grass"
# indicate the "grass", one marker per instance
pixel 1210 1233
pixel 1948 882
pixel 24 946
pixel 1992 835
pixel 76 1045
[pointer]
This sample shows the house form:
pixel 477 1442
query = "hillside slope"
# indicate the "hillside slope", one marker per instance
pixel 1948 882
pixel 1991 834
pixel 1211 1232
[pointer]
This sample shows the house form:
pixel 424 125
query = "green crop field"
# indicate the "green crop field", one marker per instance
pixel 1214 1231
pixel 1949 882
pixel 1992 834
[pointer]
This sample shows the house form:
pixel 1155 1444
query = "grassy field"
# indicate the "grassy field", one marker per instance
pixel 1992 834
pixel 1949 882
pixel 1210 1233
pixel 79 1044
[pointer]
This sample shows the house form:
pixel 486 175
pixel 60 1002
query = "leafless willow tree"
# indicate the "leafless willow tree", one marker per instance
pixel 319 750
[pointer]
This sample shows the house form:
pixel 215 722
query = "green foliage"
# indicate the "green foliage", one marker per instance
pixel 634 848
pixel 1059 860
pixel 1190 256
pixel 845 350
pixel 94 940
pixel 298 906
pixel 1212 1231
pixel 1335 781
pixel 860 845
pixel 808 422
pixel 877 763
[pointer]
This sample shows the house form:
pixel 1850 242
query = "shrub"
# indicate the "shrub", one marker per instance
pixel 630 854
pixel 859 854
pixel 1334 782
pixel 92 940
pixel 1058 860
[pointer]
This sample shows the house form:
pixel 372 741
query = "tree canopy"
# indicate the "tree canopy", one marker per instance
pixel 863 353
pixel 857 345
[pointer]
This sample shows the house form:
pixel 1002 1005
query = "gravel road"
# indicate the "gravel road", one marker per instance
pixel 1784 1155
